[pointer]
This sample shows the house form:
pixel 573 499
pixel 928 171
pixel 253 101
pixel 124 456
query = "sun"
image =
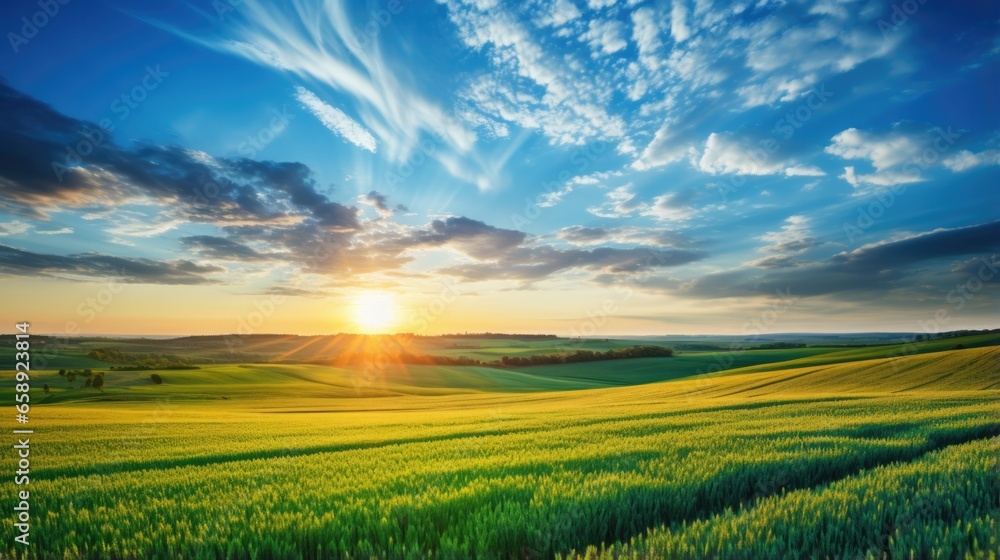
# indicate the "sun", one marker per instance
pixel 375 312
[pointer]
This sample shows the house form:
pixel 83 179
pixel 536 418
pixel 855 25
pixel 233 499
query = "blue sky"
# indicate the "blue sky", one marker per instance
pixel 683 160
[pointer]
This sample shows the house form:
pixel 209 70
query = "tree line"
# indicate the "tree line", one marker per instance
pixel 136 361
pixel 638 351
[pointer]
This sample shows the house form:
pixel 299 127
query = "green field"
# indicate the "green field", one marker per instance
pixel 809 452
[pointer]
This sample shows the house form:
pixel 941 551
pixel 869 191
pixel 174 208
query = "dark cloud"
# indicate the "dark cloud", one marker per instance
pixel 499 253
pixel 981 267
pixel 536 263
pixel 85 266
pixel 290 291
pixel 222 248
pixel 48 160
pixel 876 269
pixel 776 261
pixel 32 137
pixel 265 210
pixel 472 237
pixel 317 249
pixel 793 245
pixel 580 235
pixel 936 244
pixel 381 204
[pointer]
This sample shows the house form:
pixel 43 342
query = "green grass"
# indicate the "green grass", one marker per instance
pixel 840 355
pixel 259 381
pixel 947 506
pixel 451 465
pixel 271 381
pixel 649 370
pixel 53 360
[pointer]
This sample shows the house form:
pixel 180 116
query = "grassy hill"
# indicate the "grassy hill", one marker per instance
pixel 818 369
pixel 500 463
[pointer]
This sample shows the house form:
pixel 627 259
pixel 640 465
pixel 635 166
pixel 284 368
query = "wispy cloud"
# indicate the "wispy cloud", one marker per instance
pixel 336 120
pixel 89 266
pixel 321 42
pixel 967 160
pixel 678 22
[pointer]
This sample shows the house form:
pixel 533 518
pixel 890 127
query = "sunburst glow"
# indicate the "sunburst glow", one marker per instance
pixel 375 312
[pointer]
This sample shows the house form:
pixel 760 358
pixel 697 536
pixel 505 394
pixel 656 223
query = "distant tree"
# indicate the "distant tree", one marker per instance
pixel 71 376
pixel 959 347
pixel 919 338
pixel 98 382
pixel 89 382
pixel 45 387
pixel 156 379
pixel 62 372
pixel 87 373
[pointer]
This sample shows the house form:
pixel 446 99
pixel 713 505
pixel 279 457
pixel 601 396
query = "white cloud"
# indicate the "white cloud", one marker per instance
pixel 775 47
pixel 850 176
pixel 532 86
pixel 830 7
pixel 965 159
pixel 882 150
pixel 336 120
pixel 566 75
pixel 900 155
pixel 620 202
pixel 318 41
pixel 668 146
pixel 879 178
pixel 623 202
pixel 582 235
pixel 60 231
pixel 605 37
pixel 678 22
pixel 14 227
pixel 726 154
pixel 558 14
pixel 670 206
pixel 646 34
pixel 553 198
pixel 803 170
pixel 794 237
pixel 141 224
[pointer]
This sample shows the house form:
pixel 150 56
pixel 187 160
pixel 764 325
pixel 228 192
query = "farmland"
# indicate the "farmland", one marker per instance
pixel 851 452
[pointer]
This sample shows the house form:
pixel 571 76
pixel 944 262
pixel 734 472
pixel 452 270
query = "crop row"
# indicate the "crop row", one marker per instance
pixel 523 483
pixel 946 505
